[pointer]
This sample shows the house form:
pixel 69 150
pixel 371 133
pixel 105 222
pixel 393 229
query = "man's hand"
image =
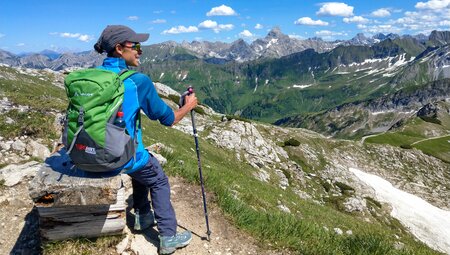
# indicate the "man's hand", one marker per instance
pixel 190 102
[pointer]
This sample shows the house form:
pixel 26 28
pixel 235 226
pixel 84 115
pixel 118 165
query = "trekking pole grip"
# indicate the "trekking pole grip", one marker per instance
pixel 188 92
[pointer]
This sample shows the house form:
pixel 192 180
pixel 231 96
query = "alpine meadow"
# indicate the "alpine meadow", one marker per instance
pixel 317 145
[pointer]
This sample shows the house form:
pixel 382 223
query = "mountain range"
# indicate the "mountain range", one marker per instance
pixel 274 45
pixel 308 83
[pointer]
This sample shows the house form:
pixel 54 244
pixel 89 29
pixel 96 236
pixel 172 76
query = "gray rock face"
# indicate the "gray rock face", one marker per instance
pixel 244 137
pixel 440 37
pixel 14 174
pixel 357 204
pixel 37 150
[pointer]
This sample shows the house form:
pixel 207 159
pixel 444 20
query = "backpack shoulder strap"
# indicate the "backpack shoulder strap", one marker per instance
pixel 125 73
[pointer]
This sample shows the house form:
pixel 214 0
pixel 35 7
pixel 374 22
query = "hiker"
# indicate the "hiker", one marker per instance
pixel 123 49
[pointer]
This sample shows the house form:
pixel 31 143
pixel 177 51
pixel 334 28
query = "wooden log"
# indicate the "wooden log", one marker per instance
pixel 73 203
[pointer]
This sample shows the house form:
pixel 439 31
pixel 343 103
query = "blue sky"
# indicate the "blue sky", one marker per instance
pixel 32 26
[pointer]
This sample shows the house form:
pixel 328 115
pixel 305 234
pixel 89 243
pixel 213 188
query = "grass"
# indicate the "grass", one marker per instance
pixel 252 205
pixel 32 92
pixel 413 134
pixel 249 203
pixel 439 148
pixel 83 246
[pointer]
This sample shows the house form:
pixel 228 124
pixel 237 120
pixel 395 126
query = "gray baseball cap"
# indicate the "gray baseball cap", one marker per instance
pixel 115 34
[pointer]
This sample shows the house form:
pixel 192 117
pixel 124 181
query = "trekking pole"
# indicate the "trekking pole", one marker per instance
pixel 189 91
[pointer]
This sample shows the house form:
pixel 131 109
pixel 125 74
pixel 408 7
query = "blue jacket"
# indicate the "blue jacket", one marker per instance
pixel 140 94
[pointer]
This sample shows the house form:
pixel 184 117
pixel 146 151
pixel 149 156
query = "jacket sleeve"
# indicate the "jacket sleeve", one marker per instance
pixel 150 102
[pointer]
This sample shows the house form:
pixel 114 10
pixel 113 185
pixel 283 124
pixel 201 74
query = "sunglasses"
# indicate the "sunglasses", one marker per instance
pixel 135 46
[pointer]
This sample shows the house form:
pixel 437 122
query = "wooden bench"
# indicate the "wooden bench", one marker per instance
pixel 73 203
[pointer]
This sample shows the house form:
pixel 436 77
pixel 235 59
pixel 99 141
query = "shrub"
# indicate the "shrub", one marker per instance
pixel 231 117
pixel 174 98
pixel 344 187
pixel 291 142
pixel 199 110
pixel 406 146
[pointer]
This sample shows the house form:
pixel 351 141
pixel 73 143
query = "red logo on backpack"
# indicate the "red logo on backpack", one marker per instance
pixel 80 147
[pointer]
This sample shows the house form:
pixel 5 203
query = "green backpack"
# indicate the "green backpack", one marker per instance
pixel 92 140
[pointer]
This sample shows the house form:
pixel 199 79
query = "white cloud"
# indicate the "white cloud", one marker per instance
pixel 180 29
pixel 222 10
pixel 259 26
pixel 445 23
pixel 209 24
pixel 159 21
pixel 383 28
pixel 20 44
pixel 296 36
pixel 328 33
pixel 433 4
pixel 310 22
pixel 85 38
pixel 70 35
pixel 158 12
pixel 356 19
pixel 246 33
pixel 335 9
pixel 132 18
pixel 78 36
pixel 380 13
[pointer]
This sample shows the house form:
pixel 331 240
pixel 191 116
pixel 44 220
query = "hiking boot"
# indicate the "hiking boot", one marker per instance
pixel 168 244
pixel 144 221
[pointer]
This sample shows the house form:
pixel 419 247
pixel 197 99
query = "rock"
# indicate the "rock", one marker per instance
pixel 165 90
pixel 18 145
pixel 162 160
pixel 120 247
pixel 9 121
pixel 58 176
pixel 355 204
pixel 13 174
pixel 140 245
pixel 262 175
pixel 6 145
pixel 244 137
pixel 284 208
pixel 338 231
pixel 399 245
pixel 159 148
pixel 284 182
pixel 37 150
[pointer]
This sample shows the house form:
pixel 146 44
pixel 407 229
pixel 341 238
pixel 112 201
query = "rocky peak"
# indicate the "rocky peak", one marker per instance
pixel 275 33
pixel 440 38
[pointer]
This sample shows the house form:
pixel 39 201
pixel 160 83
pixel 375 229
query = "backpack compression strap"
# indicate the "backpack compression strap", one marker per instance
pixel 125 73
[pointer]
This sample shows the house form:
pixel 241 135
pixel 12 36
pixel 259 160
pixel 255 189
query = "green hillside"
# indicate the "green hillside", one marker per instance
pixel 252 204
pixel 430 135
pixel 270 89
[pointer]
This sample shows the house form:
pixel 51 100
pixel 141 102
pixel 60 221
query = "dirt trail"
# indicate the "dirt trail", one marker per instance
pixel 19 227
pixel 225 238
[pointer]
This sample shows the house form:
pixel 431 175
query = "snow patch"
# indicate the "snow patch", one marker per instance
pixel 272 42
pixel 427 222
pixel 301 86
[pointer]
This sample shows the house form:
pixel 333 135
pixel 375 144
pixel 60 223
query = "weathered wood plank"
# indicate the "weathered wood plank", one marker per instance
pixel 73 203
pixel 84 229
